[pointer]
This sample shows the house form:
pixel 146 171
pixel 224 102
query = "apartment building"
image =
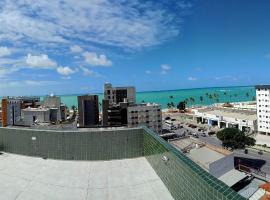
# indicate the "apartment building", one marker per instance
pixel 263 108
pixel 114 114
pixel 11 111
pixel 88 107
pixel 149 115
pixel 116 95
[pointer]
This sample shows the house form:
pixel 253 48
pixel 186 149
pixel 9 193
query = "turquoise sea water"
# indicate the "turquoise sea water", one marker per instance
pixel 222 94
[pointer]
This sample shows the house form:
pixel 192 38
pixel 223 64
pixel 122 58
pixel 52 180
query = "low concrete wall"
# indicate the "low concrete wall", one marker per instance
pixel 73 145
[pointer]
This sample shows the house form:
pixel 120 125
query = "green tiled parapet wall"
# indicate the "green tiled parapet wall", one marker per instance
pixel 72 145
pixel 183 178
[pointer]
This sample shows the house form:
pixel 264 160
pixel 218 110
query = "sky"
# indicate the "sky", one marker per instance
pixel 75 46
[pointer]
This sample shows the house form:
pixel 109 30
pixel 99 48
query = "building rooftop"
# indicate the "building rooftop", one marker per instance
pixel 262 87
pixel 40 109
pixel 144 105
pixel 25 178
pixel 233 113
pixel 204 156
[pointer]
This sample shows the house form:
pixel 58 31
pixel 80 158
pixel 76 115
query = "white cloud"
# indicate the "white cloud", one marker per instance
pixel 127 24
pixel 191 78
pixel 65 71
pixel 76 49
pixel 87 72
pixel 90 73
pixel 148 72
pixel 165 67
pixel 94 59
pixel 39 83
pixel 4 51
pixel 5 71
pixel 41 61
pixel 22 84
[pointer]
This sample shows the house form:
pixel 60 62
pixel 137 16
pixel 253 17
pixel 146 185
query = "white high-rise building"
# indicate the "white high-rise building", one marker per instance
pixel 263 108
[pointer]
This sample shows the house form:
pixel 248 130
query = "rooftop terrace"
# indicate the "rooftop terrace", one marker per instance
pixel 109 164
pixel 27 178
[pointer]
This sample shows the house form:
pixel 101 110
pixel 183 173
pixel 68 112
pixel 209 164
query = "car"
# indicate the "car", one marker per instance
pixel 203 134
pixel 260 152
pixel 195 135
pixel 212 133
pixel 246 151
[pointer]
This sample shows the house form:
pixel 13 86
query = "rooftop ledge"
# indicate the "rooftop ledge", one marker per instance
pixel 128 164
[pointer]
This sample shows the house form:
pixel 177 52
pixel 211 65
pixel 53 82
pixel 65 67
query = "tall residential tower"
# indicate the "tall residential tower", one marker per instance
pixel 88 107
pixel 263 108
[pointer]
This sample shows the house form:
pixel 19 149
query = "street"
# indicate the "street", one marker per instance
pixel 252 159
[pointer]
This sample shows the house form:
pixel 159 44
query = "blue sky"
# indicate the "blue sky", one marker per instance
pixel 70 47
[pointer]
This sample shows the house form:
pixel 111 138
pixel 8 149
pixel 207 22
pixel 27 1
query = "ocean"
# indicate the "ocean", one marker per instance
pixel 199 96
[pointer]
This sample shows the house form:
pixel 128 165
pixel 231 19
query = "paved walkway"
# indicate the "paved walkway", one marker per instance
pixel 28 178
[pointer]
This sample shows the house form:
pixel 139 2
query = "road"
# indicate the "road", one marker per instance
pixel 252 159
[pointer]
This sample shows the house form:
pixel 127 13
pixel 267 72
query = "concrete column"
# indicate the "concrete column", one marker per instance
pixel 219 126
pixel 240 127
pixel 227 125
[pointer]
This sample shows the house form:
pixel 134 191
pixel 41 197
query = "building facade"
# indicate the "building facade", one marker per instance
pixel 116 95
pixel 11 111
pixel 54 103
pixel 263 108
pixel 114 114
pixel 88 108
pixel 227 118
pixel 149 115
pixel 32 116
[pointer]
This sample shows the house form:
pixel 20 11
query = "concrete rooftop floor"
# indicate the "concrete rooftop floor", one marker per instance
pixel 30 178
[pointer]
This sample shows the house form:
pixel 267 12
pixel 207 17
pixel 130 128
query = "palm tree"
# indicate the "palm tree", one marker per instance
pixel 201 99
pixel 247 94
pixel 73 107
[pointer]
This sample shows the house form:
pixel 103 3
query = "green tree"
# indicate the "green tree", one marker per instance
pixel 181 105
pixel 201 98
pixel 74 108
pixel 234 138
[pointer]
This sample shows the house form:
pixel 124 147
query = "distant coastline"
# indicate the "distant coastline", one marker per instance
pixel 194 96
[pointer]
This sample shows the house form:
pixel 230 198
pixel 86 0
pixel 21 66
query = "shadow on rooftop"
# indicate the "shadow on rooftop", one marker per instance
pixel 248 162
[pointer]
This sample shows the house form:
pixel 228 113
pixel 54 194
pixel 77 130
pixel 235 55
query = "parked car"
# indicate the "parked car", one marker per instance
pixel 195 135
pixel 203 135
pixel 246 151
pixel 212 133
pixel 260 152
